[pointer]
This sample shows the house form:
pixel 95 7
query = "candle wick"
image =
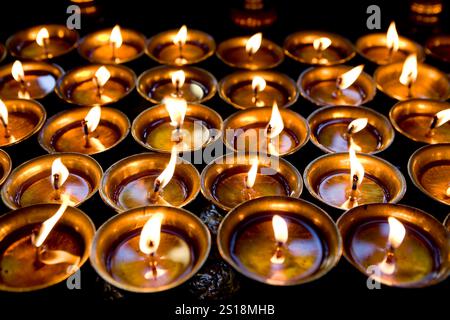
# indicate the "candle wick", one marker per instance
pixel 410 84
pixel 113 51
pixel 255 95
pixel 153 196
pixel 5 125
pixel 434 122
pixel 153 264
pixel 84 125
pixel 99 88
pixel 45 49
pixel 180 50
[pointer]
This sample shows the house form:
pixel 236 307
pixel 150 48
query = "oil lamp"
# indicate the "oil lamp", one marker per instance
pixel 150 179
pixel 253 53
pixel 180 47
pixel 383 49
pixel 88 130
pixel 335 128
pixel 429 170
pixel 42 42
pixel 318 48
pixel 347 180
pixel 408 79
pixel 96 84
pixel 235 178
pixel 28 80
pixel 5 166
pixel 248 89
pixel 337 85
pixel 396 245
pixel 267 130
pixel 190 83
pixel 279 240
pixel 112 46
pixel 44 179
pixel 42 245
pixel 150 249
pixel 438 47
pixel 20 119
pixel 422 120
pixel 188 126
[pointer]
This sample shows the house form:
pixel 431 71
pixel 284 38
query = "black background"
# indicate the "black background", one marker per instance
pixel 342 292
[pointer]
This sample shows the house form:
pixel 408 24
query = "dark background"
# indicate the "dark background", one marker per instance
pixel 342 292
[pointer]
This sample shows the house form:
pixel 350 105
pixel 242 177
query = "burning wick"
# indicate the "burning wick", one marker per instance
pixel 354 127
pixel 392 40
pixel 90 123
pixel 4 118
pixel 180 41
pixel 149 243
pixel 320 44
pixel 439 119
pixel 49 257
pixel 60 173
pixel 249 193
pixel 447 192
pixel 356 178
pixel 164 178
pixel 397 233
pixel 346 79
pixel 19 75
pixel 178 79
pixel 280 231
pixel 176 107
pixel 115 39
pixel 258 85
pixel 409 73
pixel 253 44
pixel 101 76
pixel 274 128
pixel 42 38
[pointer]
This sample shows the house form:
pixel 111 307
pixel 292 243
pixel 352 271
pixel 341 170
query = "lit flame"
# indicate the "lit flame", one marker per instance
pixel 178 78
pixel 442 117
pixel 409 71
pixel 251 176
pixel 93 118
pixel 164 178
pixel 41 36
pixel 151 234
pixel 346 79
pixel 447 192
pixel 177 110
pixel 116 37
pixel 321 44
pixel 397 232
pixel 60 170
pixel 276 125
pixel 258 84
pixel 102 76
pixel 253 43
pixel 280 229
pixel 3 112
pixel 357 125
pixel 48 224
pixel 392 38
pixel 17 71
pixel 356 168
pixel 181 36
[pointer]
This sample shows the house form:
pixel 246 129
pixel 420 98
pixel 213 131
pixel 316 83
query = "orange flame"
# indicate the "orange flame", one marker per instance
pixel 409 70
pixel 151 234
pixel 176 108
pixel 357 125
pixel 164 178
pixel 442 117
pixel 346 79
pixel 275 125
pixel 251 176
pixel 258 84
pixel 397 232
pixel 392 38
pixel 181 37
pixel 102 76
pixel 60 170
pixel 280 229
pixel 178 78
pixel 17 71
pixel 320 44
pixel 116 37
pixel 356 168
pixel 50 223
pixel 93 118
pixel 253 43
pixel 3 112
pixel 42 36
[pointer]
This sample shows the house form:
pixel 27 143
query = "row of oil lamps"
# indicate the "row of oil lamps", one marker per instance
pixel 269 235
